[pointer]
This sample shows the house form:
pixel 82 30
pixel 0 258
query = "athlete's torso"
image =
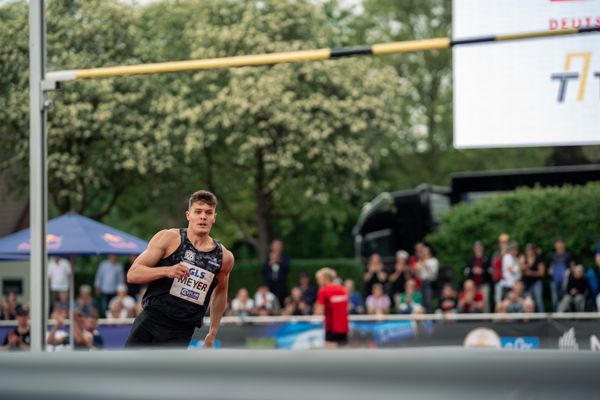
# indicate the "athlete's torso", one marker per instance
pixel 335 299
pixel 186 300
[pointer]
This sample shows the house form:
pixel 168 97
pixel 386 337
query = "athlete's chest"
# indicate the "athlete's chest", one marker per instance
pixel 210 261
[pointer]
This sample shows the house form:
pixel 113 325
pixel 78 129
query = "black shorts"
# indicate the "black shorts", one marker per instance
pixel 339 338
pixel 154 329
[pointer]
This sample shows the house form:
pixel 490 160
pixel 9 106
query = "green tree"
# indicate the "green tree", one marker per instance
pixel 529 216
pixel 102 133
pixel 277 142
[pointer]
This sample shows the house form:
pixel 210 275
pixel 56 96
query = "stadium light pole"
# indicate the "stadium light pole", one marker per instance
pixel 38 185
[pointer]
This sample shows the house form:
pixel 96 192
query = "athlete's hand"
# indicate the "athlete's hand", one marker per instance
pixel 209 340
pixel 177 271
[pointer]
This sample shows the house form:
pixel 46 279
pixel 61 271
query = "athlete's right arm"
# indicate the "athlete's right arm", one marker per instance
pixel 144 270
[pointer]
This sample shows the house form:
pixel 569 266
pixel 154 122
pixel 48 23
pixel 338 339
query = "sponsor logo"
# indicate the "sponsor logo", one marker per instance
pixel 340 298
pixel 189 255
pixel 568 341
pixel 53 242
pixel 190 293
pixel 581 21
pixel 586 21
pixel 482 338
pixel 520 343
pixel 198 273
pixel 118 242
pixel 580 76
pixel 213 262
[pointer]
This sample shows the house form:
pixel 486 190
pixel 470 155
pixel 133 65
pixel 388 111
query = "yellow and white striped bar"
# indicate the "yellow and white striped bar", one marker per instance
pixel 299 56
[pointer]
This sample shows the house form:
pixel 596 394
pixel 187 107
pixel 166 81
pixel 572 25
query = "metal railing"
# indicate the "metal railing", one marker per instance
pixel 499 317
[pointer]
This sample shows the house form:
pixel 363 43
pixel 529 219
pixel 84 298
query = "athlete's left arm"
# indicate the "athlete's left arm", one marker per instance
pixel 218 301
pixel 319 308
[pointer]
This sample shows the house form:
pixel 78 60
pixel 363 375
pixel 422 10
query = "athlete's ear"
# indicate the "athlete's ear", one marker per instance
pixel 187 215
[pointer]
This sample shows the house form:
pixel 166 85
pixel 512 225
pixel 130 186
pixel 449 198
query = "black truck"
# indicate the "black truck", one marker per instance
pixel 398 220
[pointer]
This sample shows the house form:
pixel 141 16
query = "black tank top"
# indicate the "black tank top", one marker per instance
pixel 158 298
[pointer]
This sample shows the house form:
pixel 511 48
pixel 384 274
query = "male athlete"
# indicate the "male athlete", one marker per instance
pixel 332 301
pixel 186 271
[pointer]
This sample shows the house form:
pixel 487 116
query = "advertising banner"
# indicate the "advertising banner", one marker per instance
pixel 562 334
pixel 538 92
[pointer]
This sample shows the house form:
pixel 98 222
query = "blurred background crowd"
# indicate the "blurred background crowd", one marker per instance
pixel 511 278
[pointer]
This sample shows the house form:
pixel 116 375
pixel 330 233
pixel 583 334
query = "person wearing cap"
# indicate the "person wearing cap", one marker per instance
pixel 122 305
pixel 477 269
pixel 19 337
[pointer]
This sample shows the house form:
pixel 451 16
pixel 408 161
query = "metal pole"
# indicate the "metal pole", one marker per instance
pixel 37 175
pixel 73 261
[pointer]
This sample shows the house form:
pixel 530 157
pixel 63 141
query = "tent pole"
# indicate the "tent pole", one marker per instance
pixel 73 260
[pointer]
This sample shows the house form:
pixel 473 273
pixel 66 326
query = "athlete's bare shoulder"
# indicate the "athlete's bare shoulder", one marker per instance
pixel 228 259
pixel 166 239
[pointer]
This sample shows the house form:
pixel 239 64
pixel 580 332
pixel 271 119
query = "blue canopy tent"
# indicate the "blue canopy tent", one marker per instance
pixel 73 235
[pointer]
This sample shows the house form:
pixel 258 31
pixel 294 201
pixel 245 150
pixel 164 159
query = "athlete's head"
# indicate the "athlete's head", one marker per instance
pixel 325 276
pixel 202 211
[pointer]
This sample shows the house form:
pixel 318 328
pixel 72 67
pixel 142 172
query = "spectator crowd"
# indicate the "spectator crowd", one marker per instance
pixel 511 279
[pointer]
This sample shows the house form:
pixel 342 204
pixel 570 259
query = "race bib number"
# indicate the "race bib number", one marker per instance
pixel 195 287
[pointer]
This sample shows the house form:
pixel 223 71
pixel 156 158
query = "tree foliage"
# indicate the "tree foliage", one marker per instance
pixel 284 138
pixel 101 139
pixel 534 215
pixel 291 150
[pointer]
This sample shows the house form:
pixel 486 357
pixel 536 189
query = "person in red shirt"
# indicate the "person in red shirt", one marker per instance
pixel 332 301
pixel 470 299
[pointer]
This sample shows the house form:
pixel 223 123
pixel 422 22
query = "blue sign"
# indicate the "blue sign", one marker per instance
pixel 520 343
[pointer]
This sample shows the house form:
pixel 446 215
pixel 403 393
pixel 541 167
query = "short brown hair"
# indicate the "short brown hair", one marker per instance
pixel 203 196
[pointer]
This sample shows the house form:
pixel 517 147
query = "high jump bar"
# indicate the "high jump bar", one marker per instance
pixel 380 49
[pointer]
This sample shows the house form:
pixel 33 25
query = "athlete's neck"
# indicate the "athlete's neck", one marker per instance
pixel 199 240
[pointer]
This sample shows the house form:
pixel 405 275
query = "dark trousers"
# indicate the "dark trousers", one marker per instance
pixel 105 301
pixel 154 329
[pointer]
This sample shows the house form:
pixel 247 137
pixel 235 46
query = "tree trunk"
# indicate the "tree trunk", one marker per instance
pixel 263 208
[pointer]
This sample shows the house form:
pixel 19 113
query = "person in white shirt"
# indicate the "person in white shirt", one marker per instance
pixel 511 271
pixel 122 305
pixel 59 276
pixel 427 267
pixel 265 302
pixel 242 305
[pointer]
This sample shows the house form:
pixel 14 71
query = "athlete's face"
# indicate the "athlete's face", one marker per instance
pixel 201 218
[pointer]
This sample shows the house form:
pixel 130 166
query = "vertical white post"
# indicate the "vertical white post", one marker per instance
pixel 38 188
